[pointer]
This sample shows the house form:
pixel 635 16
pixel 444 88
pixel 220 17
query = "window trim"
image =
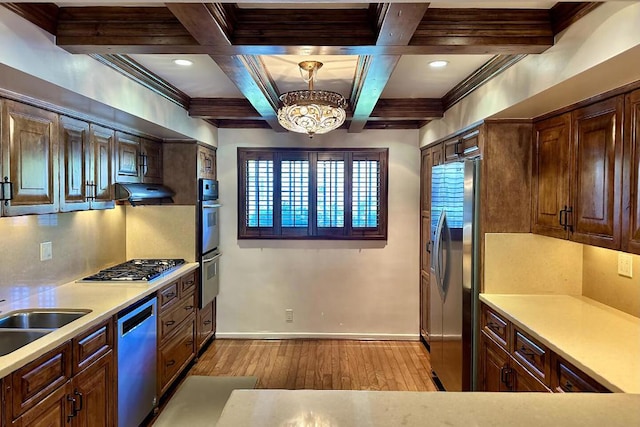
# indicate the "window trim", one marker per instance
pixel 312 232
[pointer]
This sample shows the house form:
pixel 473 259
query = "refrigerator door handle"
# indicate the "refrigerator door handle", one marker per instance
pixel 445 247
pixel 437 248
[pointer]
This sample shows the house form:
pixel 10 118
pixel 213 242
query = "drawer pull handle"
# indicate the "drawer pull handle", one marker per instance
pixel 188 343
pixel 188 307
pixel 528 354
pixel 170 322
pixel 505 376
pixel 189 283
pixel 171 362
pixel 207 322
pixel 495 328
pixel 170 295
pixel 568 386
pixel 80 400
pixel 73 408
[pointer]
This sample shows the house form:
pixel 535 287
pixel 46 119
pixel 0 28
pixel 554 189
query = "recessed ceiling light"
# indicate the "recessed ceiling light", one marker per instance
pixel 438 64
pixel 183 62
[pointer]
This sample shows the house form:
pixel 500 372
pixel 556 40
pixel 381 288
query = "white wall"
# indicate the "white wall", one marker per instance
pixel 598 53
pixel 336 288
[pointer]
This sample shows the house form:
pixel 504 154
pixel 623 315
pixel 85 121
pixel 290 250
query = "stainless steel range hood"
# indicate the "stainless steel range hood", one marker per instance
pixel 144 194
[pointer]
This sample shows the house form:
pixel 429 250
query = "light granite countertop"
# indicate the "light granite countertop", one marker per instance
pixel 104 299
pixel 326 408
pixel 600 340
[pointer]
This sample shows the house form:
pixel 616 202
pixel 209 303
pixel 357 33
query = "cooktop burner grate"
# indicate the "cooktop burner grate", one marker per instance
pixel 136 270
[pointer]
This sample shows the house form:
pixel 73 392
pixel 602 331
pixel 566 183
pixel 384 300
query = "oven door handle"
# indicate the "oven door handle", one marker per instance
pixel 211 205
pixel 213 258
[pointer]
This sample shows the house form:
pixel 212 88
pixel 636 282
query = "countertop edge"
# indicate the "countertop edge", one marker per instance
pixel 30 352
pixel 486 298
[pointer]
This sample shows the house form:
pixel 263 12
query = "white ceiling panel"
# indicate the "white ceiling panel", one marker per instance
pixel 414 78
pixel 203 79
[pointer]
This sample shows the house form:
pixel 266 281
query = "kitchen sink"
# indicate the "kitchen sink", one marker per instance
pixel 40 319
pixel 13 339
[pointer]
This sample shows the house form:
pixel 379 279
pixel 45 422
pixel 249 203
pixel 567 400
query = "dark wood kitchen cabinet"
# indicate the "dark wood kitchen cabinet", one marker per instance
pixel 127 167
pixel 176 329
pixel 631 180
pixel 206 325
pixel 72 385
pixel 30 158
pixel 509 359
pixel 577 175
pixel 151 164
pixel 85 166
pixel 185 163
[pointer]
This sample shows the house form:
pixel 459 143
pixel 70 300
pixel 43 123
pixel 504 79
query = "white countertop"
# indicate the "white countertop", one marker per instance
pixel 103 299
pixel 324 408
pixel 600 340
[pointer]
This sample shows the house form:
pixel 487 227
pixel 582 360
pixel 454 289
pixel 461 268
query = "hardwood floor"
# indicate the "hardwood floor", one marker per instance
pixel 321 364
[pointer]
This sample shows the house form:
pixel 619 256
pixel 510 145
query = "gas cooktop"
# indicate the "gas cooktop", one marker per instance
pixel 135 270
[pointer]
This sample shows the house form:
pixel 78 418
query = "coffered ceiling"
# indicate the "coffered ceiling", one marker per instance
pixel 244 55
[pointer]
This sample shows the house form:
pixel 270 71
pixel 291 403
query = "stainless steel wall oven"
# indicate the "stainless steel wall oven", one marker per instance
pixel 208 240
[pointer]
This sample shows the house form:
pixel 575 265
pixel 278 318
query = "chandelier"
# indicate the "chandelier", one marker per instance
pixel 311 111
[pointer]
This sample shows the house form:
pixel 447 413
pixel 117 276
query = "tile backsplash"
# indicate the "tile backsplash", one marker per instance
pixel 82 242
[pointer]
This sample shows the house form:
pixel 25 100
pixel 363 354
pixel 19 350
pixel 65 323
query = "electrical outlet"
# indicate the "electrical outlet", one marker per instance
pixel 289 315
pixel 625 265
pixel 46 251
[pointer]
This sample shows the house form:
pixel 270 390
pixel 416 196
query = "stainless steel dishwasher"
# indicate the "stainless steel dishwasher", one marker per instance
pixel 137 344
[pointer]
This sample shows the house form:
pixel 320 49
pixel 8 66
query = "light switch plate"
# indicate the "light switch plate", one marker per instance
pixel 625 265
pixel 46 251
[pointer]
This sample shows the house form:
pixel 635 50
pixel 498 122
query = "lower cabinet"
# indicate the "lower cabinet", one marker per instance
pixel 176 329
pixel 206 325
pixel 511 360
pixel 49 392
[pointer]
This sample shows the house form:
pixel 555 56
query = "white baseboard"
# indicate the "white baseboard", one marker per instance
pixel 322 335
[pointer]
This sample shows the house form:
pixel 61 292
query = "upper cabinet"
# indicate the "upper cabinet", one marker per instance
pixel 631 180
pixel 577 175
pixel 30 159
pixel 206 163
pixel 128 158
pixel 138 160
pixel 86 153
pixel 466 145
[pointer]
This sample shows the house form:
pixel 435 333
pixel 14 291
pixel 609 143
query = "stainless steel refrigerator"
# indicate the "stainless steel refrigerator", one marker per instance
pixel 453 278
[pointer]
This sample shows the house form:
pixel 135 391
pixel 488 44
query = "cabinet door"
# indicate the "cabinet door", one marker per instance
pixel 425 181
pixel 631 181
pixel 30 159
pixel 75 165
pixel 102 172
pixel 437 155
pixel 206 163
pixel 550 183
pixel 94 393
pixel 175 354
pixel 205 324
pixel 597 174
pixel 151 161
pixel 452 150
pixel 424 306
pixel 524 381
pixel 493 370
pixel 127 158
pixel 425 244
pixel 52 411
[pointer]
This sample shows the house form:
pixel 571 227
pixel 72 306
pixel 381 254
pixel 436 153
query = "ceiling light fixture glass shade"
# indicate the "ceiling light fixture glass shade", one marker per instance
pixel 312 111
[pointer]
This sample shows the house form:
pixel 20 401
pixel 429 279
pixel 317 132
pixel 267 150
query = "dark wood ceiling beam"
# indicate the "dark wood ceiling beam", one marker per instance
pixel 252 79
pixel 44 15
pixel 209 24
pixel 223 109
pixel 564 14
pixel 293 32
pixel 407 109
pixel 512 28
pixel 395 23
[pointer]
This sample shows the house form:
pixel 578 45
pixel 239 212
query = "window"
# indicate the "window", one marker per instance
pixel 312 194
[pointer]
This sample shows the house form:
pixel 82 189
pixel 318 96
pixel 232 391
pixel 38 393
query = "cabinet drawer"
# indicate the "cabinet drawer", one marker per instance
pixel 91 345
pixel 170 320
pixel 495 326
pixel 168 295
pixel 569 379
pixel 531 354
pixel 187 284
pixel 33 382
pixel 175 354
